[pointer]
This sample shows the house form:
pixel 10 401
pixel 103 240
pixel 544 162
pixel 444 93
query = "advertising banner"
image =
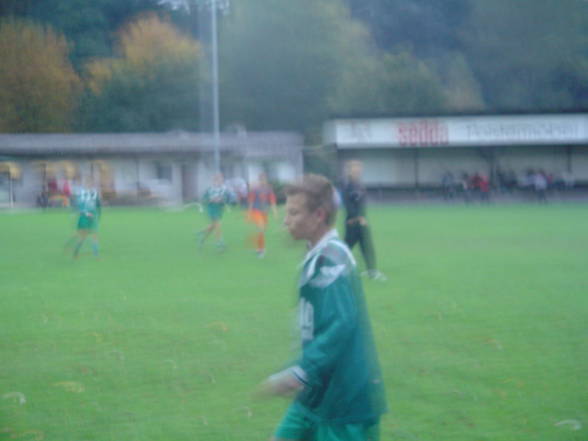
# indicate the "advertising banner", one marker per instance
pixel 458 131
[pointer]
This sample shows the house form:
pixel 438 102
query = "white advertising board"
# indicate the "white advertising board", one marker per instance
pixel 457 131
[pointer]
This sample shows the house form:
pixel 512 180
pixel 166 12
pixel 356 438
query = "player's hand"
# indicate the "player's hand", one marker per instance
pixel 362 221
pixel 280 384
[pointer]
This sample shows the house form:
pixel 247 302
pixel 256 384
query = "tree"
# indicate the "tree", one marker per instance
pixel 13 8
pixel 389 84
pixel 152 86
pixel 38 86
pixel 529 54
pixel 461 88
pixel 280 61
pixel 429 30
pixel 89 26
pixel 428 27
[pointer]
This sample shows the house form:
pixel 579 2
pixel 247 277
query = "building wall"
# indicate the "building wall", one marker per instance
pixel 30 183
pixel 181 174
pixel 396 167
pixel 521 159
pixel 126 175
pixel 283 171
pixel 407 167
pixel 579 163
pixel 382 167
pixel 434 163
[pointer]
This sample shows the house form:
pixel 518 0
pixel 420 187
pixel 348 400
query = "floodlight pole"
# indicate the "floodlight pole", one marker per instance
pixel 215 106
pixel 214 6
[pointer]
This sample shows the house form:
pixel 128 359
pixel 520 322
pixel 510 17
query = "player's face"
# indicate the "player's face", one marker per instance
pixel 302 224
pixel 355 170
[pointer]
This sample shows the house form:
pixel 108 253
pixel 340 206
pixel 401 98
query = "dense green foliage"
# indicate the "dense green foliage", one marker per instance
pixel 151 86
pixel 481 327
pixel 526 55
pixel 290 65
pixel 428 26
pixel 130 102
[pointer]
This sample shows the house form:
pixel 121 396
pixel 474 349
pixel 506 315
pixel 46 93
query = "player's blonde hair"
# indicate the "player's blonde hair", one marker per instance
pixel 319 193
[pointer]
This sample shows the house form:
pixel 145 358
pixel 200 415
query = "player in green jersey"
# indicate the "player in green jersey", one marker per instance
pixel 215 198
pixel 339 394
pixel 87 202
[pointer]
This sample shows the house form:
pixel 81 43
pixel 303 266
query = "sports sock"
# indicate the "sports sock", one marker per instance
pixel 78 247
pixel 201 237
pixel 70 242
pixel 95 247
pixel 260 241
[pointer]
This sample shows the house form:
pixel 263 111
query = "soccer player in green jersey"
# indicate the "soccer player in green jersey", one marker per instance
pixel 339 394
pixel 215 198
pixel 87 202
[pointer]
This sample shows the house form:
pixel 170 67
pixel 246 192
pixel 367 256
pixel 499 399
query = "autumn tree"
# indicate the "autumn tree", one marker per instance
pixel 88 25
pixel 38 87
pixel 151 86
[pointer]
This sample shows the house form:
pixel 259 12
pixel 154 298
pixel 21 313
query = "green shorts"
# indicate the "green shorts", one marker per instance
pixel 297 426
pixel 87 222
pixel 215 211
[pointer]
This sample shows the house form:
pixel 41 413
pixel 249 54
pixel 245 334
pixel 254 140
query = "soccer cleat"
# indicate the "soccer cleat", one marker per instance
pixel 200 239
pixel 260 254
pixel 377 275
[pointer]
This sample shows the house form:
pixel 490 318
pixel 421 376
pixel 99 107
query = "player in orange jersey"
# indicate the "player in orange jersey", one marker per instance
pixel 261 197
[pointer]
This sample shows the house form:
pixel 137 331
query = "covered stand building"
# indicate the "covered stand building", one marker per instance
pixel 168 167
pixel 414 153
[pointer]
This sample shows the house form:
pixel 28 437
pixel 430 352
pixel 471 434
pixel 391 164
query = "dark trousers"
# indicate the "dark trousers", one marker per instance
pixel 359 233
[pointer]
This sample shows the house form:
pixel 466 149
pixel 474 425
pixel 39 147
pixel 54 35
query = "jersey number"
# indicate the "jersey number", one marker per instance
pixel 306 319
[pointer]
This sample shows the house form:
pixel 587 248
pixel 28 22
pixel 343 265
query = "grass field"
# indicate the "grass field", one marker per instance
pixel 482 327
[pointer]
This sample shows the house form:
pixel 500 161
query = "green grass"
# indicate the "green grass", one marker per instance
pixel 482 327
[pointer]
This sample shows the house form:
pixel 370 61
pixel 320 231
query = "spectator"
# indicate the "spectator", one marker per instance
pixel 465 187
pixel 484 187
pixel 540 184
pixel 448 185
pixel 568 180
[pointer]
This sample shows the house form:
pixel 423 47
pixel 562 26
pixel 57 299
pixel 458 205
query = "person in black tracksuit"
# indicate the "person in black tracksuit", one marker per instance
pixel 356 225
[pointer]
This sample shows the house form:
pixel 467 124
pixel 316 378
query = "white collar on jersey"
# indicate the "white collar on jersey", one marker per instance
pixel 313 254
pixel 332 234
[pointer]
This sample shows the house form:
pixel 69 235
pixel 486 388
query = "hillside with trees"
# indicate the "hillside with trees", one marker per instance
pixel 143 65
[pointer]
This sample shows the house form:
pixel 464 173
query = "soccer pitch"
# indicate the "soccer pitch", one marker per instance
pixel 482 327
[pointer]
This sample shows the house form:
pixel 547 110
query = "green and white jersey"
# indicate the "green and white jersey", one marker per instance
pixel 218 195
pixel 87 201
pixel 338 365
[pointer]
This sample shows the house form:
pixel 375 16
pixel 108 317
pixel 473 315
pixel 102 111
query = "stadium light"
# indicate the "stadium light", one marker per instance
pixel 214 6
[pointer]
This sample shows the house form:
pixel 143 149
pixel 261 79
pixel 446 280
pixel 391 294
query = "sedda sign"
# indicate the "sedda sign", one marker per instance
pixel 457 131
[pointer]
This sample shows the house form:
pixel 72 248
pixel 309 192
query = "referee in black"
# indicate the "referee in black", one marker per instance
pixel 356 225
